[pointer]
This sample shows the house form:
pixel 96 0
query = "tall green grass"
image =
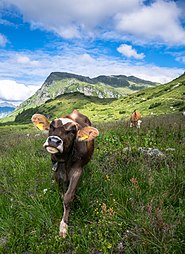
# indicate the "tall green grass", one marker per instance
pixel 127 201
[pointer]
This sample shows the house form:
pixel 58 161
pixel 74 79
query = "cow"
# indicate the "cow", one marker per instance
pixel 135 119
pixel 70 142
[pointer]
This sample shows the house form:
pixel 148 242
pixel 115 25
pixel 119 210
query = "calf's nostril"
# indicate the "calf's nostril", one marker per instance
pixel 54 141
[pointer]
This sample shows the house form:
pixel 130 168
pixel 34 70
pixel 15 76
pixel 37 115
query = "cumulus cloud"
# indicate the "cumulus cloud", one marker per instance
pixel 79 61
pixel 71 18
pixel 3 40
pixel 10 90
pixel 159 21
pixel 23 59
pixel 128 51
pixel 86 58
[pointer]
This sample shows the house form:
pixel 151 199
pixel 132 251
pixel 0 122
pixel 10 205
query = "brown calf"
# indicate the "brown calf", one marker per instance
pixel 135 119
pixel 70 143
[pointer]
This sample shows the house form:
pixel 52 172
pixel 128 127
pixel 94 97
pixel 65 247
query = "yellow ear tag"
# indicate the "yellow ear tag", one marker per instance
pixel 84 137
pixel 40 126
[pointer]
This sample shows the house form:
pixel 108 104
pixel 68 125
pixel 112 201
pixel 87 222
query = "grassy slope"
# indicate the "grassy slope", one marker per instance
pixel 68 86
pixel 127 202
pixel 163 99
pixel 158 100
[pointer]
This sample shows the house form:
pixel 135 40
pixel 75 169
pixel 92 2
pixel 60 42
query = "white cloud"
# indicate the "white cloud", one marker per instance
pixel 180 58
pixel 79 61
pixel 22 59
pixel 128 51
pixel 159 22
pixel 67 32
pixel 71 18
pixel 3 40
pixel 86 58
pixel 10 90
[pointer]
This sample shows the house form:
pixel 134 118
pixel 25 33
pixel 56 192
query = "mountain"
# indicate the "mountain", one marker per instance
pixel 132 82
pixel 162 99
pixel 113 80
pixel 5 109
pixel 58 83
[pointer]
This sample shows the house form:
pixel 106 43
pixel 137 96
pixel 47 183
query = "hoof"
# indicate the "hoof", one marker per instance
pixel 63 229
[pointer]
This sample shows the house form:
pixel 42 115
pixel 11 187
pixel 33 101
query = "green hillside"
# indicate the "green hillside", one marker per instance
pixel 163 99
pixel 103 87
pixel 64 105
pixel 72 85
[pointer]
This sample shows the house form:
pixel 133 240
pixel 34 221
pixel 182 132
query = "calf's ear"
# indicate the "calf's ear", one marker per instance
pixel 87 134
pixel 40 121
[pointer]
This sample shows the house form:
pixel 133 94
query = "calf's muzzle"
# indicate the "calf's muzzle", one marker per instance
pixel 54 144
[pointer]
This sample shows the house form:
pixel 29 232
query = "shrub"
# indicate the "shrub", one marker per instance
pixel 25 115
pixel 178 103
pixel 122 112
pixel 154 105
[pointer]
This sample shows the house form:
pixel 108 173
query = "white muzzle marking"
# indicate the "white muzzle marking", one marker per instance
pixel 53 149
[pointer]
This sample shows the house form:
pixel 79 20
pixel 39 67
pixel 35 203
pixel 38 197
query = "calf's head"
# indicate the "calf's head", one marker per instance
pixel 62 133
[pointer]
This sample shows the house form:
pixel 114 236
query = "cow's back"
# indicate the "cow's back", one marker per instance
pixel 135 116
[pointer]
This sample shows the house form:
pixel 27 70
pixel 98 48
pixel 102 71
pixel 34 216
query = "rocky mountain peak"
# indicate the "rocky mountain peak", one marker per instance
pixel 55 76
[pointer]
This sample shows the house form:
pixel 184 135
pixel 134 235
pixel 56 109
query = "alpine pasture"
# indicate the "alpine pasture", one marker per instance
pixel 130 199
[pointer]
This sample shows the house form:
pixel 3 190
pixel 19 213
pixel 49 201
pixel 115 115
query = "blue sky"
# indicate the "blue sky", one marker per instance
pixel 88 37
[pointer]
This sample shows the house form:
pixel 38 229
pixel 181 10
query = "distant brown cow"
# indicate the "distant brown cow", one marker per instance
pixel 135 119
pixel 70 143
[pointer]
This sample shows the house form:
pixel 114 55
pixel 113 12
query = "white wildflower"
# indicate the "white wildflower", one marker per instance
pixel 45 190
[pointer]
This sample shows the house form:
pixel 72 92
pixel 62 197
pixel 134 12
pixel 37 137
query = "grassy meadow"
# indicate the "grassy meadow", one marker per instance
pixel 129 200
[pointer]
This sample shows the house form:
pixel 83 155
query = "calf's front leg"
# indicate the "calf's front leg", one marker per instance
pixel 74 178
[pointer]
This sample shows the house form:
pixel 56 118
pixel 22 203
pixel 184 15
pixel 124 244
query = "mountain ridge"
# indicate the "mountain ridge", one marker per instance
pixel 121 80
pixel 153 101
pixel 112 86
